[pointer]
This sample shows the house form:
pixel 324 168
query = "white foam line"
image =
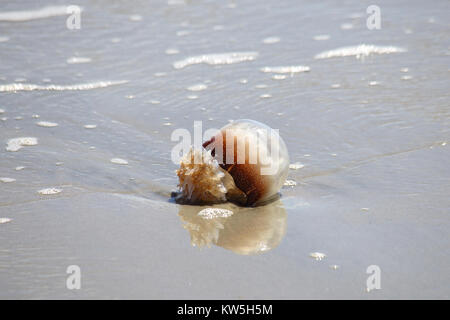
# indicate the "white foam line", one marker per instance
pixel 16 144
pixel 28 15
pixel 75 60
pixel 216 59
pixel 358 51
pixel 286 69
pixel 12 87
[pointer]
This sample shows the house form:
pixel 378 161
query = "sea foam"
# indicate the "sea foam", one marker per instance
pixel 216 59
pixel 287 69
pixel 12 87
pixel 28 15
pixel 359 51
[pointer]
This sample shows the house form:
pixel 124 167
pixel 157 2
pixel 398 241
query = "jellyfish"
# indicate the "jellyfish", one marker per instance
pixel 246 162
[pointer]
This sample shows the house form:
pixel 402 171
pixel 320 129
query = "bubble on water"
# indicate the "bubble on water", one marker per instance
pixel 135 17
pixel 4 39
pixel 365 209
pixel 321 37
pixel 46 124
pixel 212 213
pixel 265 96
pixel 171 51
pixel 16 144
pixel 278 77
pixel 296 166
pixel 28 15
pixel 404 70
pixel 167 124
pixel 373 83
pixel 197 87
pixel 317 255
pixel 18 118
pixel 19 168
pixel 7 180
pixel 335 86
pixel 334 267
pixel 35 116
pixel 182 33
pixel 76 60
pixel 407 77
pixel 2 111
pixel 192 97
pixel 5 220
pixel 271 40
pixel 90 126
pixel 286 69
pixel 49 191
pixel 290 183
pixel 359 51
pixel 116 40
pixel 347 26
pixel 216 59
pixel 119 161
pixel 261 86
pixel 13 87
pixel 243 81
pixel 155 102
pixel 4 118
pixel 160 74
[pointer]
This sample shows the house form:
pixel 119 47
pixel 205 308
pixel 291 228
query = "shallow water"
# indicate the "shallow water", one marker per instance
pixel 372 131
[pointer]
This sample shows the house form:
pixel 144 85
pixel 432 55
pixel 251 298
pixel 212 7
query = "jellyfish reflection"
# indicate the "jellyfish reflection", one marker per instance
pixel 244 231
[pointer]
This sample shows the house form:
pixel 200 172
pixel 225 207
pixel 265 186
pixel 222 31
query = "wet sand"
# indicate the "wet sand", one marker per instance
pixel 364 113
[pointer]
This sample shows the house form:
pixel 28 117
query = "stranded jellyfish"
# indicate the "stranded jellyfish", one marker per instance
pixel 245 162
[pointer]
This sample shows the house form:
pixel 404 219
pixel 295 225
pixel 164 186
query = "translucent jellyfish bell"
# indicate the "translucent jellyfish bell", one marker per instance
pixel 246 162
pixel 254 155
